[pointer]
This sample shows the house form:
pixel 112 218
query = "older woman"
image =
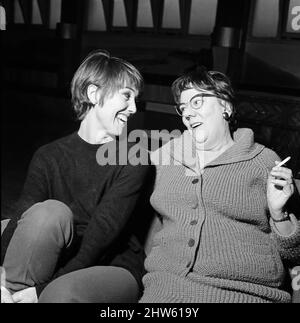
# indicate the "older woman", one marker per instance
pixel 225 233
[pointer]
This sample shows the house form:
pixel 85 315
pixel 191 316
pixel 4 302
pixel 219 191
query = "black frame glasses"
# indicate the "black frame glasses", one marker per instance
pixel 196 102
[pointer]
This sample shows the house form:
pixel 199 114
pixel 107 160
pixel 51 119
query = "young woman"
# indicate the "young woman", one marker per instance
pixel 76 220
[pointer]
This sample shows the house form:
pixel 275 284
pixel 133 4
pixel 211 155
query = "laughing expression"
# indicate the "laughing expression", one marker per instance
pixel 206 124
pixel 117 108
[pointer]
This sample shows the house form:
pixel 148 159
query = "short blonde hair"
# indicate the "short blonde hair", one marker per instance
pixel 108 73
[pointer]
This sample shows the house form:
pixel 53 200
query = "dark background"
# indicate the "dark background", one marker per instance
pixel 39 59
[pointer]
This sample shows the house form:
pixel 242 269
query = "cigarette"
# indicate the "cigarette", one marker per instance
pixel 283 162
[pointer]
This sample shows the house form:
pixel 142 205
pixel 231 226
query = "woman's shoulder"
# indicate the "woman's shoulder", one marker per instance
pixel 55 148
pixel 266 158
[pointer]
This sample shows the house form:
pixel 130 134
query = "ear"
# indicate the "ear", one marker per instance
pixel 92 93
pixel 227 107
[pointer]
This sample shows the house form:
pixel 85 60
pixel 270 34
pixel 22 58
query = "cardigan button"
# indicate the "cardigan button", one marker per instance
pixel 195 180
pixel 195 205
pixel 193 222
pixel 191 242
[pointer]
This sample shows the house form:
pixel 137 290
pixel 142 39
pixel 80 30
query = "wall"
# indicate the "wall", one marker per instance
pixel 274 64
pixel 271 56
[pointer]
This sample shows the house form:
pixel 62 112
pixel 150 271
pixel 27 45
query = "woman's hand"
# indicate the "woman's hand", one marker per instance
pixel 27 295
pixel 280 189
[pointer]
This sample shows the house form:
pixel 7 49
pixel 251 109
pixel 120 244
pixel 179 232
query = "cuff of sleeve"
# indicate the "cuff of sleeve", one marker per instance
pixel 292 239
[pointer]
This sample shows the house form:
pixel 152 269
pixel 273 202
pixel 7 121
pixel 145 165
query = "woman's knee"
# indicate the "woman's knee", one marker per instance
pixel 48 214
pixel 100 284
pixel 61 290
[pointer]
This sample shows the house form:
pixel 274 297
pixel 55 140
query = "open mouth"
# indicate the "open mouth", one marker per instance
pixel 195 125
pixel 122 118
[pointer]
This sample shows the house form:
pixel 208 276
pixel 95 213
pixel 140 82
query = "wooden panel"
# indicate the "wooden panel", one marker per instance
pixel 202 17
pixel 171 15
pixel 119 14
pixel 266 18
pixel 275 120
pixel 36 14
pixel 261 112
pixel 55 13
pixel 95 20
pixel 2 18
pixel 19 17
pixel 44 13
pixel 272 64
pixel 144 14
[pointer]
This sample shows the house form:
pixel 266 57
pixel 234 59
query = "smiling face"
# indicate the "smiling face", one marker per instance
pixel 206 124
pixel 113 115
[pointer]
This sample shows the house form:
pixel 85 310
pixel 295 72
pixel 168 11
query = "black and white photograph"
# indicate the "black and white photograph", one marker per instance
pixel 150 154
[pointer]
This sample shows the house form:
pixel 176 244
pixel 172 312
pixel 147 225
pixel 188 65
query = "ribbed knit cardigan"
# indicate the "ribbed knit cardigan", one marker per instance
pixel 217 242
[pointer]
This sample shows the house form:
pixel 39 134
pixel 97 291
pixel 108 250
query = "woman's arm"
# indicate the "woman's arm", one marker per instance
pixel 285 226
pixel 35 188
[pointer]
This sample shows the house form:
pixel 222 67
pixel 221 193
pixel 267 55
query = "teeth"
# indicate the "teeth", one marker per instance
pixel 122 117
pixel 196 124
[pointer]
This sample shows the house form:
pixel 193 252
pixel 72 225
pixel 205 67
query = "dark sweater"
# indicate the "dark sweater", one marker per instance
pixel 102 199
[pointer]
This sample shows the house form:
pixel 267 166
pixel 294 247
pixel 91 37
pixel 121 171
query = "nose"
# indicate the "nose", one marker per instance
pixel 132 107
pixel 188 112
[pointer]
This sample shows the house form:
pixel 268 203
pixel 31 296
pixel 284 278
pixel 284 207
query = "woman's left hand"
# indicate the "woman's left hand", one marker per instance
pixel 280 189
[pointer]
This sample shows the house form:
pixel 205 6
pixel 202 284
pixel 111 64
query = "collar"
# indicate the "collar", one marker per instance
pixel 182 151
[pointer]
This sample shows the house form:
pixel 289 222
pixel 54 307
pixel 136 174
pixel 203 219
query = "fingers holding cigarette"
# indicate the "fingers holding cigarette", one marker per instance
pixel 281 176
pixel 282 172
pixel 278 167
pixel 282 162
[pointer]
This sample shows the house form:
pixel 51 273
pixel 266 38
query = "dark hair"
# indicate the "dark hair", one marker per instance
pixel 108 73
pixel 212 81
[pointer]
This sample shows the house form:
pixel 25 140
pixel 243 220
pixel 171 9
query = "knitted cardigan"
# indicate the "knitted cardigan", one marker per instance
pixel 217 242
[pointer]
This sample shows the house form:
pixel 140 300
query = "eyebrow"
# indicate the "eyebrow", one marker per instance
pixel 193 97
pixel 129 88
pixel 135 91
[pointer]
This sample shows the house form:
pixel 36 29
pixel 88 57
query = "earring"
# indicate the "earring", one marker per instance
pixel 226 116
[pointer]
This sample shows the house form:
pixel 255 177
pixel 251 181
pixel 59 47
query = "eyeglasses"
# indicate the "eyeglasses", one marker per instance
pixel 196 102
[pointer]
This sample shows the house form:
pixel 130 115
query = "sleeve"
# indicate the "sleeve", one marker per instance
pixel 287 246
pixel 109 218
pixel 35 188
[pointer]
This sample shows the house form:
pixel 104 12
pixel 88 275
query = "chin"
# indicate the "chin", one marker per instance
pixel 200 137
pixel 118 132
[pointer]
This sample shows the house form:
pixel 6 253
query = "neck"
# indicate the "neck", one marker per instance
pixel 91 132
pixel 208 154
pixel 220 147
pixel 217 147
